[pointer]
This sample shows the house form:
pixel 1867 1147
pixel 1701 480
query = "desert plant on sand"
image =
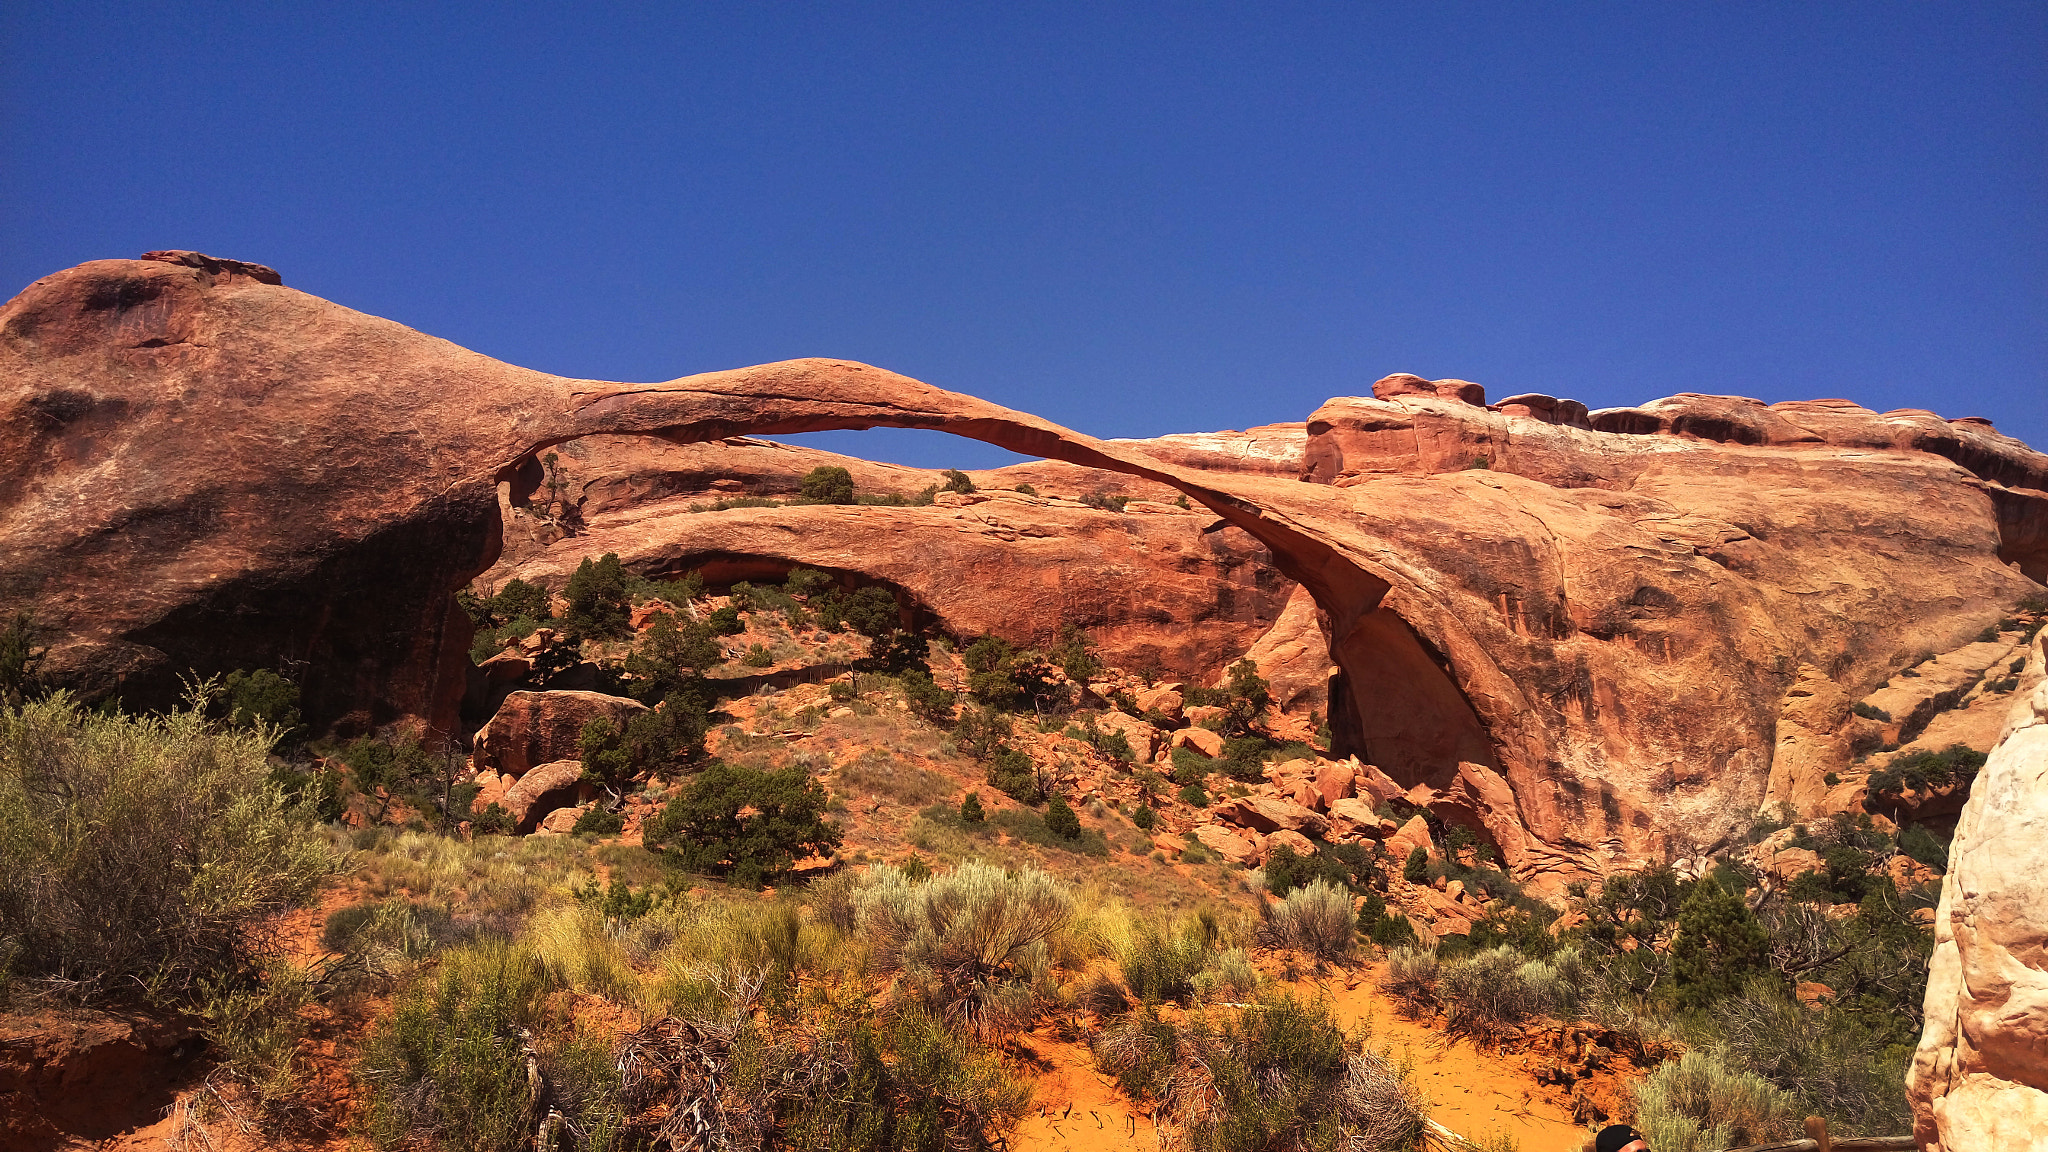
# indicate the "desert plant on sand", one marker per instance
pixel 150 848
pixel 967 943
pixel 1275 1075
pixel 1315 919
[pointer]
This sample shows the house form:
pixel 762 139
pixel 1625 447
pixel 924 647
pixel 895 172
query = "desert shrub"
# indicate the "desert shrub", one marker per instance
pixel 758 656
pixel 1276 1075
pixel 599 604
pixel 1412 976
pixel 1030 828
pixel 603 747
pixel 897 652
pixel 1190 766
pixel 494 820
pixel 1014 775
pixel 1492 992
pixel 1697 1104
pixel 1143 818
pixel 1227 975
pixel 1315 919
pixel 1193 795
pixel 1921 771
pixel 928 701
pixel 981 732
pixel 725 621
pixel 595 821
pixel 1075 655
pixel 261 697
pixel 19 655
pixel 1830 1060
pixel 856 1081
pixel 967 944
pixel 151 848
pixel 1922 845
pixel 450 1063
pixel 1384 928
pixel 827 484
pixel 1416 869
pixel 958 481
pixel 1160 965
pixel 1719 946
pixel 1060 819
pixel 743 823
pixel 670 657
pixel 1101 498
pixel 1871 712
pixel 1340 865
pixel 971 810
pixel 255 1029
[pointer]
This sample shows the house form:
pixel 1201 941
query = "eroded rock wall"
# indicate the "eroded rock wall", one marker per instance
pixel 1980 1076
pixel 1588 640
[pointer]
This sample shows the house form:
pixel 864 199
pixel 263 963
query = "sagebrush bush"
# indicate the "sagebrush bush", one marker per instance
pixel 1278 1075
pixel 1697 1104
pixel 151 848
pixel 968 943
pixel 1412 976
pixel 1315 919
pixel 450 1063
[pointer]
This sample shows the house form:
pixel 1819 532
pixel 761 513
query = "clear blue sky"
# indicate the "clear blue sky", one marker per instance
pixel 1131 219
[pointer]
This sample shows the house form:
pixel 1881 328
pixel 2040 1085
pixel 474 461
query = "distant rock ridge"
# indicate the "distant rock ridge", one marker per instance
pixel 1588 634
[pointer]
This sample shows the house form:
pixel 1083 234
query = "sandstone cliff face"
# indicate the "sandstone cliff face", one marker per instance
pixel 1978 1079
pixel 1170 588
pixel 1588 641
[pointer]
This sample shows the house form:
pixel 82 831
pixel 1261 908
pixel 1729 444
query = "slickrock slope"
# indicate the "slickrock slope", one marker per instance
pixel 1590 639
pixel 1978 1079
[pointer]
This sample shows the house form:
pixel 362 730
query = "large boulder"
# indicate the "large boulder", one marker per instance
pixel 536 727
pixel 1272 814
pixel 545 788
pixel 1980 1076
pixel 1234 848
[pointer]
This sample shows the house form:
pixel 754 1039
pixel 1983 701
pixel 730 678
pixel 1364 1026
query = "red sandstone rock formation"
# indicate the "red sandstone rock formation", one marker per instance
pixel 1588 640
pixel 1179 591
pixel 1979 1079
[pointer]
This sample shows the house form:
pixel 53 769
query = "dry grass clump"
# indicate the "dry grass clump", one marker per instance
pixel 1276 1075
pixel 877 773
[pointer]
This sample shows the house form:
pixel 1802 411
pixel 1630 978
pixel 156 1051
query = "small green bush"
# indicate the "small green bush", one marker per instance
pixel 1144 818
pixel 743 823
pixel 1871 712
pixel 595 821
pixel 1060 818
pixel 725 621
pixel 827 484
pixel 1014 775
pixel 1416 869
pixel 971 809
pixel 958 481
pixel 929 702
